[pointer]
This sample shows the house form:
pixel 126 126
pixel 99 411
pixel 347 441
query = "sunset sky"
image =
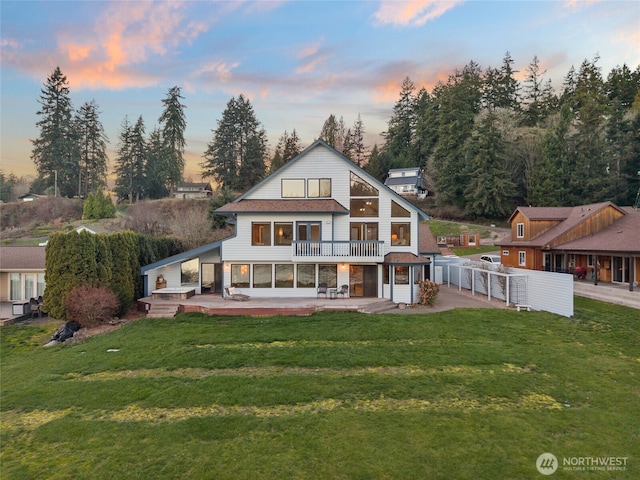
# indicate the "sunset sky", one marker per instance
pixel 297 61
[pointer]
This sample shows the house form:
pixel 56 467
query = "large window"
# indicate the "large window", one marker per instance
pixel 319 187
pixel 41 284
pixel 315 188
pixel 293 188
pixel 190 272
pixel 29 285
pixel 328 274
pixel 400 234
pixel 309 231
pixel 401 275
pixel 283 233
pixel 262 276
pixel 364 231
pixel 398 211
pixel 306 275
pixel 364 207
pixel 284 276
pixel 361 188
pixel 260 233
pixel 240 275
pixel 520 230
pixel 15 286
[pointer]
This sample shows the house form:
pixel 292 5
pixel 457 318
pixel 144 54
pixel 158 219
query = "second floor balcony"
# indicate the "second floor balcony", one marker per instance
pixel 338 251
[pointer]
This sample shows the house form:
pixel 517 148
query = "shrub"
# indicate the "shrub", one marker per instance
pixel 428 292
pixel 90 306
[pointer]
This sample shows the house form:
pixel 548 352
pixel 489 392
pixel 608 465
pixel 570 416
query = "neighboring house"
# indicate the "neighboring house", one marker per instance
pixel 188 191
pixel 602 237
pixel 21 272
pixel 318 219
pixel 30 197
pixel 94 229
pixel 407 181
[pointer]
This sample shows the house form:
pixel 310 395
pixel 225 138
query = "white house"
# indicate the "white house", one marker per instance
pixel 319 219
pixel 407 181
pixel 186 191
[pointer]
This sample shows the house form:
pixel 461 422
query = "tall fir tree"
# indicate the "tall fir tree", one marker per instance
pixel 235 157
pixel 156 185
pixel 359 151
pixel 459 102
pixel 400 134
pixel 131 161
pixel 92 146
pixel 490 191
pixel 173 123
pixel 55 153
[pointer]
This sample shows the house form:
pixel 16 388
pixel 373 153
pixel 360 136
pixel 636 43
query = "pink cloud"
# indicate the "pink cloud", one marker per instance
pixel 110 52
pixel 413 13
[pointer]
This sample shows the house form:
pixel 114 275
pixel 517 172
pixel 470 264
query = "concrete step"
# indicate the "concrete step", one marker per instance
pixel 379 306
pixel 163 311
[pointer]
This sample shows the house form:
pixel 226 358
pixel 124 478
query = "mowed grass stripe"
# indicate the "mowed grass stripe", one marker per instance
pixel 137 413
pixel 269 371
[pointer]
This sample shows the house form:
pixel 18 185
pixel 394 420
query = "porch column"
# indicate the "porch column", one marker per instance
pixel 596 267
pixel 632 264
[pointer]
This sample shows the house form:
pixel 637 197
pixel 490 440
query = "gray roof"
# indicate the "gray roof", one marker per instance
pixel 15 258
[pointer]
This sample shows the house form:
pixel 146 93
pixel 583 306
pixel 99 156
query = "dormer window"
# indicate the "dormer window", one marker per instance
pixel 520 230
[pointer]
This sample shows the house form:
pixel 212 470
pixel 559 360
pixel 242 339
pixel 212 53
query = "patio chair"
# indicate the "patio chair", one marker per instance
pixel 322 290
pixel 343 290
pixel 234 294
pixel 35 308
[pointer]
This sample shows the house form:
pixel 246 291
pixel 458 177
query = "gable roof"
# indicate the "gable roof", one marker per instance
pixel 567 217
pixel 284 206
pixel 22 258
pixel 621 236
pixel 363 173
pixel 196 185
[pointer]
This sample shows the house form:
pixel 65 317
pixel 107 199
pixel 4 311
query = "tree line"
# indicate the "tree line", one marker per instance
pixel 490 142
pixel 487 141
pixel 70 153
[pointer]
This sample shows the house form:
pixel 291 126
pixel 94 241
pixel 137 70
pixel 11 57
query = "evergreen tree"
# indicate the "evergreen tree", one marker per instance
pixel 55 148
pixel 426 135
pixel 288 147
pixel 533 87
pixel 459 103
pixel 490 190
pixel 500 88
pixel 333 132
pixel 400 135
pixel 131 162
pixel 156 166
pixel 589 182
pixel 235 156
pixel 291 146
pixel 378 164
pixel 551 177
pixel 173 124
pixel 359 151
pixel 92 147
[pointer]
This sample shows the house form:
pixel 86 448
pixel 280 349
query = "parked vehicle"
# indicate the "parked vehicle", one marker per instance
pixel 495 259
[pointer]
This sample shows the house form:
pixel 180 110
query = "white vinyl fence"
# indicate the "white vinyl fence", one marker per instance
pixel 548 291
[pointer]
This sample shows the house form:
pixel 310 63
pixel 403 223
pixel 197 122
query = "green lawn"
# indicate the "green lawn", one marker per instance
pixel 463 394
